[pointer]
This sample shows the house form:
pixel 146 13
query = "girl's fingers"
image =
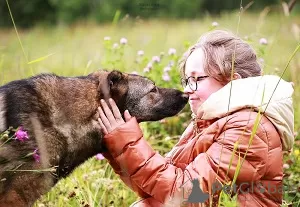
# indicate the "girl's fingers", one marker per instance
pixel 108 113
pixel 103 128
pixel 115 110
pixel 104 120
pixel 127 115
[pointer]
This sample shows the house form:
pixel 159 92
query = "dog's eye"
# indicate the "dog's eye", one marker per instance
pixel 154 90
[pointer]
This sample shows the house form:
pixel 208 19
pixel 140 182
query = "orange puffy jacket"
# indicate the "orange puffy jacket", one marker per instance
pixel 211 149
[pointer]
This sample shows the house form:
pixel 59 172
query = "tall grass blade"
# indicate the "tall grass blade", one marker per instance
pixel 40 59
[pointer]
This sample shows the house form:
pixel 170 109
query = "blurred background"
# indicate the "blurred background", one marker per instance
pixel 146 37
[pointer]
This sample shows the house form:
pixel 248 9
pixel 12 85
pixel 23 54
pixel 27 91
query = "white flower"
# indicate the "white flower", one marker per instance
pixel 123 41
pixel 146 70
pixel 172 51
pixel 140 53
pixel 167 69
pixel 115 45
pixel 286 166
pixel 263 41
pixel 156 59
pixel 167 138
pixel 215 24
pixel 134 73
pixel 149 65
pixel 106 38
pixel 166 77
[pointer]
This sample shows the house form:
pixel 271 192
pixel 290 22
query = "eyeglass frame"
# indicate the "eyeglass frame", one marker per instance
pixel 185 81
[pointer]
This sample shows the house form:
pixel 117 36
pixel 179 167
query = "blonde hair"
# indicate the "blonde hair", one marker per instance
pixel 220 48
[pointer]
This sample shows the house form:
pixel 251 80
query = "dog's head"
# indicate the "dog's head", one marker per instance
pixel 140 96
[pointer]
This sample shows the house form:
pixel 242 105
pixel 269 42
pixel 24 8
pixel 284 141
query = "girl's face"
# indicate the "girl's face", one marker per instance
pixel 205 87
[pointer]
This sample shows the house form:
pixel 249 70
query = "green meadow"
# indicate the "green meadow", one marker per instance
pixel 81 48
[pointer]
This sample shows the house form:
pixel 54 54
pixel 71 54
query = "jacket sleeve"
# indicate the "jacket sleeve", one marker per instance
pixel 123 176
pixel 162 180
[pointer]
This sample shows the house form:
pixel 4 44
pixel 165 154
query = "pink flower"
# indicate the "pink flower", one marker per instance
pixel 21 135
pixel 215 24
pixel 123 41
pixel 166 77
pixel 156 59
pixel 172 51
pixel 146 70
pixel 167 69
pixel 36 155
pixel 263 41
pixel 140 53
pixel 99 156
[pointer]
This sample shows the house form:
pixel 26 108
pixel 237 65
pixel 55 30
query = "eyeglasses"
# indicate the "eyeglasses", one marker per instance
pixel 192 81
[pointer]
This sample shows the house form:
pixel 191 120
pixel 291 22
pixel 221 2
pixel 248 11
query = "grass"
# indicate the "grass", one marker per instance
pixel 80 49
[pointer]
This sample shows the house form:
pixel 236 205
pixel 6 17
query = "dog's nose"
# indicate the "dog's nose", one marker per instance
pixel 185 96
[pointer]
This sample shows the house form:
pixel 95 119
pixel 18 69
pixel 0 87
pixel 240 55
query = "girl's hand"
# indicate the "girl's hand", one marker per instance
pixel 111 119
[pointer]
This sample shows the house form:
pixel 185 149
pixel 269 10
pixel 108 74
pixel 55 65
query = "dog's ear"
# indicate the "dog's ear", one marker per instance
pixel 110 84
pixel 118 87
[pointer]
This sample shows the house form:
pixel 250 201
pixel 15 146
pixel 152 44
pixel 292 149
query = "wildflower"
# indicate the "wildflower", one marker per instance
pixel 36 155
pixel 167 138
pixel 149 65
pixel 156 59
pixel 286 166
pixel 166 77
pixel 263 41
pixel 296 152
pixel 21 135
pixel 106 38
pixel 167 69
pixel 171 63
pixel 99 156
pixel 115 45
pixel 140 53
pixel 215 24
pixel 123 41
pixel 146 70
pixel 172 51
pixel 134 73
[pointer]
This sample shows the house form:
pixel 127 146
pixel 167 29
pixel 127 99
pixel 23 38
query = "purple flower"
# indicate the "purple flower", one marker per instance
pixel 123 41
pixel 263 41
pixel 21 135
pixel 36 155
pixel 146 70
pixel 172 51
pixel 166 77
pixel 99 156
pixel 156 59
pixel 167 69
pixel 140 53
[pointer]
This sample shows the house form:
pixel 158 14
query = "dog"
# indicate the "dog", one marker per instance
pixel 60 115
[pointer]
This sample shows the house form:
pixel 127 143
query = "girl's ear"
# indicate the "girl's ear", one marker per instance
pixel 236 76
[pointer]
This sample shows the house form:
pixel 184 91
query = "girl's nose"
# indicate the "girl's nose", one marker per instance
pixel 188 90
